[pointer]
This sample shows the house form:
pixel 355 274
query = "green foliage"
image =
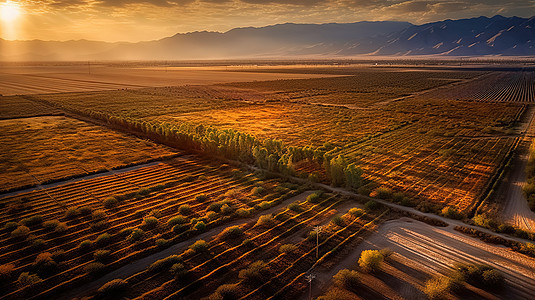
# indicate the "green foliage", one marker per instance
pixel 314 197
pixel 10 226
pixel 85 210
pixel 103 240
pixel 126 231
pixel 50 225
pixel 32 221
pixel 94 269
pixel 38 244
pixel 357 212
pixel 353 176
pixel 178 270
pixel 200 226
pixel 98 215
pixel 437 288
pixel 227 209
pixel 225 292
pixel 184 209
pixel 338 221
pixel 149 222
pixel 110 202
pixel 484 221
pixel 102 255
pixel 452 213
pixel 164 264
pixel 161 243
pixel 85 246
pixel 113 289
pixel 254 273
pixel 44 264
pixel 371 205
pixel 136 235
pixel 265 221
pixel 199 246
pixel 384 193
pixel 338 166
pixel 287 248
pixel 295 207
pixel 483 276
pixel 177 220
pixel 258 191
pixel 232 232
pixel 370 260
pixel 347 279
pixel 26 279
pixel 20 232
pixel 201 198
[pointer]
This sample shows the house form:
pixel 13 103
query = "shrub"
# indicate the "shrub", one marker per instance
pixel 164 264
pixel 94 268
pixel 314 197
pixel 338 221
pixel 44 264
pixel 113 288
pixel 201 198
pixel 253 273
pixel 110 202
pixel 231 232
pixel 247 243
pixel 338 294
pixel 178 270
pixel 184 209
pixel 150 222
pixel 216 207
pixel 225 292
pixel 200 226
pixel 384 193
pixel 370 260
pixel 126 231
pixel 452 213
pixel 51 225
pixel 227 209
pixel 102 255
pixel 61 227
pixel 85 210
pixel 437 288
pixel 348 279
pixel 136 235
pixel 482 276
pixel 58 255
pixel 295 207
pixel 38 244
pixel 155 213
pixel 103 240
pixel 287 248
pixel 265 221
pixel 371 205
pixel 98 215
pixel 32 221
pixel 258 191
pixel 177 220
pixel 161 243
pixel 386 252
pixel 25 279
pixel 199 246
pixel 484 221
pixel 144 191
pixel 10 226
pixel 85 246
pixel 20 232
pixel 357 212
pixel 241 212
pixel 179 228
pixel 6 271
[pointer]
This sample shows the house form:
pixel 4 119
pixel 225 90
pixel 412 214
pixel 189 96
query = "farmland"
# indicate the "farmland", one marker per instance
pixel 173 182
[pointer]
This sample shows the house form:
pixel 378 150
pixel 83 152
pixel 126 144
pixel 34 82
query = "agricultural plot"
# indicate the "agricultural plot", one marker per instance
pixel 73 233
pixel 18 107
pixel 265 258
pixel 430 148
pixel 40 150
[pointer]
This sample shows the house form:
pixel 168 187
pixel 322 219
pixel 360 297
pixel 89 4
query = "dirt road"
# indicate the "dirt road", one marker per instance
pixel 517 211
pixel 422 250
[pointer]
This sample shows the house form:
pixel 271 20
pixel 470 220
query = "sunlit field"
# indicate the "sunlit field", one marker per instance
pixel 264 180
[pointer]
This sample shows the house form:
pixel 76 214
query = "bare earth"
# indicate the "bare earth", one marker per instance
pixel 59 79
pixel 517 211
pixel 421 251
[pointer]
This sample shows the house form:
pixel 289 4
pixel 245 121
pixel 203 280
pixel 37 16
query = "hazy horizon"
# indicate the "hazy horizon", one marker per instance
pixel 147 20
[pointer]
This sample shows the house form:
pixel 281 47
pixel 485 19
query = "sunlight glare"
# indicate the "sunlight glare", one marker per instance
pixel 9 11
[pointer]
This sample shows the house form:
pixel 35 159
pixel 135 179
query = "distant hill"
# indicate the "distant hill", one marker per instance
pixel 467 37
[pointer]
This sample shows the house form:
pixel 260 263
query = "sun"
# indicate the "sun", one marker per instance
pixel 9 11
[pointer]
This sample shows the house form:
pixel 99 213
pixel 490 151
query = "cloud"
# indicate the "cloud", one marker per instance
pixel 287 2
pixel 161 3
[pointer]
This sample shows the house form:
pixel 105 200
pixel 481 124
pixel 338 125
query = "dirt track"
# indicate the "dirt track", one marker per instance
pixel 517 211
pixel 423 250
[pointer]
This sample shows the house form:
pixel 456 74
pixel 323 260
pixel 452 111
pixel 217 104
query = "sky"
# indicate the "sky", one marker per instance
pixel 142 20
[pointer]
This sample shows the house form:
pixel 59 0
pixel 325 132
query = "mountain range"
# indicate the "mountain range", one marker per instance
pixel 506 36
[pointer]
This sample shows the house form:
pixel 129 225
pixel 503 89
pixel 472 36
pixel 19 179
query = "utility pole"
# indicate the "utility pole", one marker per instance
pixel 309 278
pixel 317 230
